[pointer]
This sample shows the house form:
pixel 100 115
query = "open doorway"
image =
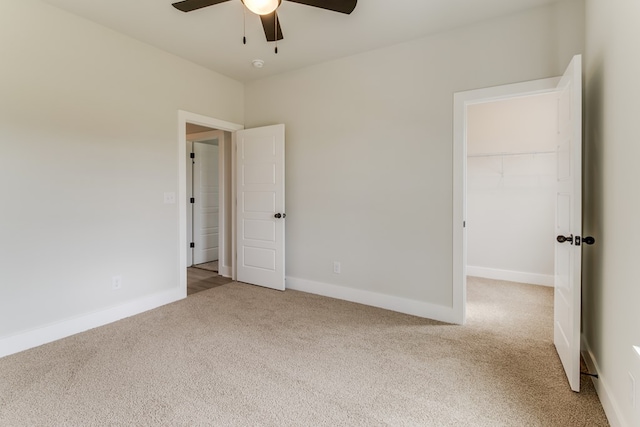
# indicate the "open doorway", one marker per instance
pixel 205 226
pixel 511 189
pixel 568 204
pixel 208 187
pixel 463 102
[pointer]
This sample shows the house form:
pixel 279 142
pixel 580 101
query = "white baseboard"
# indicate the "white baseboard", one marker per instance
pixel 611 408
pixel 511 276
pixel 389 302
pixel 55 331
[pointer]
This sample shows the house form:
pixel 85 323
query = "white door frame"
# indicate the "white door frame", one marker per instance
pixel 185 117
pixel 461 101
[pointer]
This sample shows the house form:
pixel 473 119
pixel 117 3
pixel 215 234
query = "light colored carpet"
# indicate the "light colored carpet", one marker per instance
pixel 240 355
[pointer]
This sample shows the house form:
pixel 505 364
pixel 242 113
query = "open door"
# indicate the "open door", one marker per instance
pixel 568 252
pixel 260 206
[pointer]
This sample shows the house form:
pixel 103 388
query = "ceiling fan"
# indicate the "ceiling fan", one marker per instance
pixel 267 10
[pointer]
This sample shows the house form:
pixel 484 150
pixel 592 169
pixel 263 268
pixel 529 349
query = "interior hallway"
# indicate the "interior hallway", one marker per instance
pixel 200 280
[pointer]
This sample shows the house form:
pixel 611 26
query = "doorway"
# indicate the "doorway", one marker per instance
pixel 462 102
pixel 253 157
pixel 207 208
pixel 568 204
pixel 511 189
pixel 206 216
pixel 206 131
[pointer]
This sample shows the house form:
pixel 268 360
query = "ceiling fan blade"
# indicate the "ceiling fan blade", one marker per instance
pixel 189 5
pixel 342 6
pixel 269 25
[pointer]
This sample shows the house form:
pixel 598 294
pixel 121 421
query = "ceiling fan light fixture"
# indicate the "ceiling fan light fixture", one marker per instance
pixel 262 7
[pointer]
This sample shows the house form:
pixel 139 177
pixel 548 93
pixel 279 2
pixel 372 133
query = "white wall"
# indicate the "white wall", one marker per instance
pixel 611 290
pixel 88 147
pixel 511 192
pixel 369 151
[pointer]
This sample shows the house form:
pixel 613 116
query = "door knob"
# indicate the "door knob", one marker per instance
pixel 588 240
pixel 562 239
pixel 278 215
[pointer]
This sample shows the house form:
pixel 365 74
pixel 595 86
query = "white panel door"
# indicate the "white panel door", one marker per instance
pixel 568 253
pixel 260 206
pixel 206 206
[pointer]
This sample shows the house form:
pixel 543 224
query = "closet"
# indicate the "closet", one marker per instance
pixel 511 176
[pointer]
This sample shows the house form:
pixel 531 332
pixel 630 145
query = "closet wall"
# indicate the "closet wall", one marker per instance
pixel 511 174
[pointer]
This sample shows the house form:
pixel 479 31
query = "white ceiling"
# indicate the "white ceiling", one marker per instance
pixel 212 37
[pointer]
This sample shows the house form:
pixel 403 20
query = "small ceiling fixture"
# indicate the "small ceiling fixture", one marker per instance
pixel 262 7
pixel 257 63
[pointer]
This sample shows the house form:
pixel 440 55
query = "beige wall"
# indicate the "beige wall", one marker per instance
pixel 369 147
pixel 88 147
pixel 611 314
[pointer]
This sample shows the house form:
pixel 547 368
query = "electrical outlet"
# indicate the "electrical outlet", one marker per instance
pixel 336 267
pixel 169 198
pixel 116 282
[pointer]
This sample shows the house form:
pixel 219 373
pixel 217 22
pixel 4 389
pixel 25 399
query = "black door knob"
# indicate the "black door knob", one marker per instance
pixel 588 240
pixel 562 239
pixel 278 215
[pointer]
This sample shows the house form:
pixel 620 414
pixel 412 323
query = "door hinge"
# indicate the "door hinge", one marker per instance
pixel 192 200
pixel 464 224
pixel 192 155
pixel 192 245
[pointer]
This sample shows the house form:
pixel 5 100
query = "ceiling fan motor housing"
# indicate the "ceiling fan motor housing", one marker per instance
pixel 262 7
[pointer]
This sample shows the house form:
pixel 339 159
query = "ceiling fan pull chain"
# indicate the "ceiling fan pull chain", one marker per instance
pixel 275 15
pixel 244 24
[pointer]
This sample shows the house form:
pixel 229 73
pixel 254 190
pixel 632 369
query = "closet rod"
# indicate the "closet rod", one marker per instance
pixel 529 153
